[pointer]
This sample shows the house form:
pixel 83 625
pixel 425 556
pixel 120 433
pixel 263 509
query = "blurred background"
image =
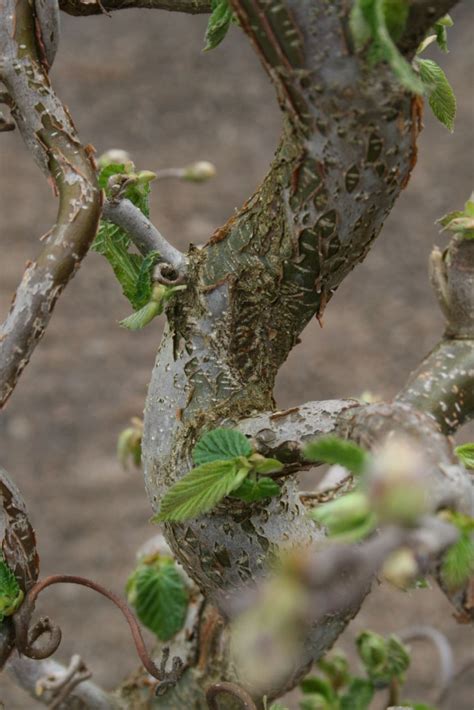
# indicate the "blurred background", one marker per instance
pixel 140 81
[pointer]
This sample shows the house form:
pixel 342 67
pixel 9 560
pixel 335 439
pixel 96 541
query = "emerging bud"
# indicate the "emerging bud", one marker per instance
pixel 199 172
pixel 401 568
pixel 398 482
pixel 114 156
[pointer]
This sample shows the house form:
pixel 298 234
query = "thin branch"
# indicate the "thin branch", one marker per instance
pixel 144 235
pixel 31 676
pixel 98 7
pixel 49 134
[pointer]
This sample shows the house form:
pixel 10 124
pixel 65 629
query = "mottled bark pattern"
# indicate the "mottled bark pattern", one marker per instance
pixel 347 150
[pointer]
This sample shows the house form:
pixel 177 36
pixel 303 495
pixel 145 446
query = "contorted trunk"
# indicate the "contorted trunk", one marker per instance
pixel 346 152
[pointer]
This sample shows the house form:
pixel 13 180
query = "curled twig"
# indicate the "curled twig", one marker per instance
pixel 442 646
pixel 167 275
pixel 27 635
pixel 230 689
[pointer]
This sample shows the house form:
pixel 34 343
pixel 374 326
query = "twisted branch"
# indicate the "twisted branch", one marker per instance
pixel 50 135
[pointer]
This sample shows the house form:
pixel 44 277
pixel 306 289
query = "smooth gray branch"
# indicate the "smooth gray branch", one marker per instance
pixel 31 676
pixel 142 232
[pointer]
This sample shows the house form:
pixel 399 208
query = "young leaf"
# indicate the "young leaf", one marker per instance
pixel 219 445
pixel 347 518
pixel 158 593
pixel 113 243
pixel 440 93
pixel 201 490
pixel 139 319
pixel 11 595
pixel 143 285
pixel 458 562
pixel 358 695
pixel 336 667
pixel 333 450
pixel 440 29
pixel 313 685
pixel 383 659
pixel 252 491
pixel 219 23
pixel 262 465
pixel 465 454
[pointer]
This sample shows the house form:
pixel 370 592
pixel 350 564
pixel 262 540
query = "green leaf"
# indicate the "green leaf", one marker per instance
pixel 201 489
pixel 113 243
pixel 359 26
pixel 347 518
pixel 458 562
pixel 313 685
pixel 252 491
pixel 314 701
pixel 440 29
pixel 358 695
pixel 142 317
pixel 383 659
pixel 333 450
pixel 426 43
pixel 219 23
pixel 143 285
pixel 336 667
pixel 108 171
pixel 158 594
pixel 440 93
pixel 219 445
pixel 262 465
pixel 11 596
pixel 465 454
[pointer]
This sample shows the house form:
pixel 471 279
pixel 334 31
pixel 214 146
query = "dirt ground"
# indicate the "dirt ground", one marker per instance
pixel 139 81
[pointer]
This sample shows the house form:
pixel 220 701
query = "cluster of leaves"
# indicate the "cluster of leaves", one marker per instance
pixel 132 270
pixel 378 25
pixel 158 593
pixel 461 222
pixel 385 662
pixel 11 596
pixel 225 465
pixel 353 516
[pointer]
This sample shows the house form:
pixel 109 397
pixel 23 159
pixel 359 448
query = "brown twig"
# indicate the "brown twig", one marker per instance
pixel 230 689
pixel 27 635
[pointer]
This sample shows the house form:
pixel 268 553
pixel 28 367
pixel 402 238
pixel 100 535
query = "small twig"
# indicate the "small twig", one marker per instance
pixel 143 233
pixel 230 689
pixel 26 636
pixel 31 675
pixel 61 685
